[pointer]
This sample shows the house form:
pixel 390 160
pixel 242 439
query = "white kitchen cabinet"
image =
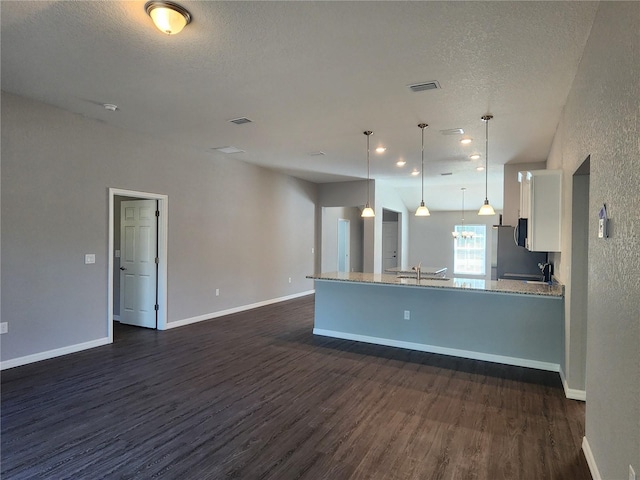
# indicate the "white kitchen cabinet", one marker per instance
pixel 541 205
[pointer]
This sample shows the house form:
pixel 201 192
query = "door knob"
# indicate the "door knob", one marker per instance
pixel 122 268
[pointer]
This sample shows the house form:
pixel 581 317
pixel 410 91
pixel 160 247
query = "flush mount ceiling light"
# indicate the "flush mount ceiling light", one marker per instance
pixel 381 149
pixel 422 210
pixel 475 156
pixel 169 17
pixel 401 163
pixel 452 131
pixel 466 141
pixel 480 168
pixel 486 209
pixel 110 106
pixel 368 211
pixel 415 172
pixel 462 232
pixel 229 149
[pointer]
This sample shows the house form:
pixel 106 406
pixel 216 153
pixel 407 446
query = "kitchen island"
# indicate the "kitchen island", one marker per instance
pixel 511 322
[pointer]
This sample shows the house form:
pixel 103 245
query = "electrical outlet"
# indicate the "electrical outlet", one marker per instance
pixel 632 473
pixel 407 315
pixel 217 292
pixel 4 327
pixel 89 258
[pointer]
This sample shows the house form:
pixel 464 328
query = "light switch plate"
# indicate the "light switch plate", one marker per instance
pixel 4 327
pixel 117 253
pixel 89 258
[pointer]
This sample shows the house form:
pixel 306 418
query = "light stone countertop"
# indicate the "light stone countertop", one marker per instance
pixel 503 286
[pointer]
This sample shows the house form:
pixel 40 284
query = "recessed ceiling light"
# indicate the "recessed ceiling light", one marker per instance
pixel 480 168
pixel 465 141
pixel 381 149
pixel 228 149
pixel 452 131
pixel 415 172
pixel 401 163
pixel 110 106
pixel 475 156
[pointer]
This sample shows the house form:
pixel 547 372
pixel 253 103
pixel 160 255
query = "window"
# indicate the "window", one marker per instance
pixel 469 253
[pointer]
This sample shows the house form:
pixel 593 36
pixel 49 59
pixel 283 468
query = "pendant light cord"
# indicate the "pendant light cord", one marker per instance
pixel 486 119
pixel 486 159
pixel 422 168
pixel 422 127
pixel 368 133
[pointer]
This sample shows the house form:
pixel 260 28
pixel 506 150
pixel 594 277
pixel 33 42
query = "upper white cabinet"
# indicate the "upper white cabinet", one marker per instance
pixel 541 205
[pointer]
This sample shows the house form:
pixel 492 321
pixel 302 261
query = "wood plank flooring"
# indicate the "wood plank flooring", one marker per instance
pixel 255 395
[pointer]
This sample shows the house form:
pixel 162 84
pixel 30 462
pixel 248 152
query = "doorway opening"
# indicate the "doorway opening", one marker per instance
pixel 158 287
pixel 390 239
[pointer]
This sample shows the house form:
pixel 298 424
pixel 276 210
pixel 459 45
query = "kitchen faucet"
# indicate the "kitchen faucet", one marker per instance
pixel 417 269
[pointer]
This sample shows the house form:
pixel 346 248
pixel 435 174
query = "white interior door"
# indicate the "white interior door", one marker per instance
pixel 138 267
pixel 389 245
pixel 344 245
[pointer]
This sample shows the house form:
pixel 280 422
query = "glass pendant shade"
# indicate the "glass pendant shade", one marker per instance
pixel 486 209
pixel 169 17
pixel 422 210
pixel 368 211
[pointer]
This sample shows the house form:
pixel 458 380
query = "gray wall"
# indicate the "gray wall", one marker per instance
pixel 601 119
pixel 432 244
pixel 56 171
pixel 330 216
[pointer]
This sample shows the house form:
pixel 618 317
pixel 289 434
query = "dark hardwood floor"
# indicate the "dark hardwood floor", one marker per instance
pixel 256 396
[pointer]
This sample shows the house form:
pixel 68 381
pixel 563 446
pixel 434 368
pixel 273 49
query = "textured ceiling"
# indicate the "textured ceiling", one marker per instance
pixel 312 76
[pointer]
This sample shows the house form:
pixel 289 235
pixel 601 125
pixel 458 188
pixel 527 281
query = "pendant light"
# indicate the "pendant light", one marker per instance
pixel 486 209
pixel 422 210
pixel 169 17
pixel 464 234
pixel 368 211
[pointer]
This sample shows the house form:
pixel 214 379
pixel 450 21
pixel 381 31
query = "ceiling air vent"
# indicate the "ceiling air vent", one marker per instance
pixel 421 87
pixel 240 121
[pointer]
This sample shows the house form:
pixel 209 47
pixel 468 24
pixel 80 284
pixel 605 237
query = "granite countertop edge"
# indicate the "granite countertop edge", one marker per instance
pixel 517 287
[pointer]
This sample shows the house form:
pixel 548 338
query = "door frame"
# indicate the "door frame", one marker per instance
pixel 163 222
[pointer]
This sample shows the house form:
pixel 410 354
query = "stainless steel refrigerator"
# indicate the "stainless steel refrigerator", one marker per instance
pixel 513 262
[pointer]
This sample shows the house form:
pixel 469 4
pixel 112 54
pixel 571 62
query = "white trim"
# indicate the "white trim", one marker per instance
pixel 591 461
pixel 37 357
pixel 163 207
pixel 487 357
pixel 116 318
pixel 572 393
pixel 209 316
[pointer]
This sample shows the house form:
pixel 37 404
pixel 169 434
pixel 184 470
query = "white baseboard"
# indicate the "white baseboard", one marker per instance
pixel 487 357
pixel 591 461
pixel 36 357
pixel 222 313
pixel 116 318
pixel 572 393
